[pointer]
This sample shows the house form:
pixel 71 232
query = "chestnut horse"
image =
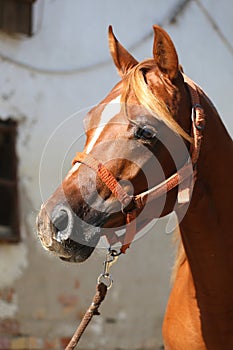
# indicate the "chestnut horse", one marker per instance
pixel 141 134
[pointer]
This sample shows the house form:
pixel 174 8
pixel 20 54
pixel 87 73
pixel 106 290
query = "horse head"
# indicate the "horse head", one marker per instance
pixel 140 134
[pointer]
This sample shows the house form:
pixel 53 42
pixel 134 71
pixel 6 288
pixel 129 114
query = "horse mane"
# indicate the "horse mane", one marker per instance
pixel 135 82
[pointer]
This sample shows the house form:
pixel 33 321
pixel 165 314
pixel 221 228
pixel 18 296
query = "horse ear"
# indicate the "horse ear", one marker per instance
pixel 165 53
pixel 122 58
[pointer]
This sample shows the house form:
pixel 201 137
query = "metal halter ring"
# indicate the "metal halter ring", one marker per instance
pixel 199 127
pixel 105 279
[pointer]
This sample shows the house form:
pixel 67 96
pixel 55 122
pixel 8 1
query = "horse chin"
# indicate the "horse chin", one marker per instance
pixel 79 254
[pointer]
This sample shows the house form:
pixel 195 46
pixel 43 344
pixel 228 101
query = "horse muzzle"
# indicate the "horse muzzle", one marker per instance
pixel 63 233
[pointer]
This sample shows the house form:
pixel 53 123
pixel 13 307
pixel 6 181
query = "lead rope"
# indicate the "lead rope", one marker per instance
pixel 101 290
pixel 104 283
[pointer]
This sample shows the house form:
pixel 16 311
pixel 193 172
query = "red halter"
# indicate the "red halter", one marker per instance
pixel 131 204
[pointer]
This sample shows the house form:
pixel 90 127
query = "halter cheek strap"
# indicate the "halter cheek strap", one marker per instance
pixel 132 204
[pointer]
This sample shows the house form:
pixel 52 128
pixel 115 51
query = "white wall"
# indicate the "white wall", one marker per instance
pixel 44 80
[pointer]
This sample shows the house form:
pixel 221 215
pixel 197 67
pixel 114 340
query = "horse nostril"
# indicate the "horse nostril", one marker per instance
pixel 61 220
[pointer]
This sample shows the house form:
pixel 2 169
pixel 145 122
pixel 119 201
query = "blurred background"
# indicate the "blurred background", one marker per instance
pixel 55 65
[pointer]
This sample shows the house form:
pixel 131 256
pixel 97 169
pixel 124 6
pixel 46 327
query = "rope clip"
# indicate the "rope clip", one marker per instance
pixel 105 277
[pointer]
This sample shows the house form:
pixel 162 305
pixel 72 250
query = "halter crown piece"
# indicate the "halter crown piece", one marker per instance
pixel 132 204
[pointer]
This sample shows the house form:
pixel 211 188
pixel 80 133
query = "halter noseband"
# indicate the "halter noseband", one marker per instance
pixel 132 204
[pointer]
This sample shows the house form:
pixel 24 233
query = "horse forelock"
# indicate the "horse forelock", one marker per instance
pixel 134 83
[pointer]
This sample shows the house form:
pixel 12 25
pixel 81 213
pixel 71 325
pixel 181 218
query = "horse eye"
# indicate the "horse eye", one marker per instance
pixel 145 133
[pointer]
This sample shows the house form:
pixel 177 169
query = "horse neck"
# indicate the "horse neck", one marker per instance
pixel 213 188
pixel 206 229
pixel 215 165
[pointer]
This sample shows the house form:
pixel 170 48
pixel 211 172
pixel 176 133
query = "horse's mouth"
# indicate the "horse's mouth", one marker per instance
pixel 70 250
pixel 76 252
